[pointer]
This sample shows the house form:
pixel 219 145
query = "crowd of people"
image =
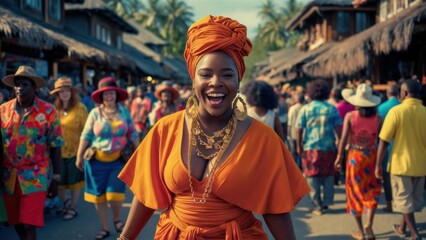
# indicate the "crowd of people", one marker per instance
pixel 195 151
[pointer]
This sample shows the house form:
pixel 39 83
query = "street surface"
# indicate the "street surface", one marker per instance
pixel 333 225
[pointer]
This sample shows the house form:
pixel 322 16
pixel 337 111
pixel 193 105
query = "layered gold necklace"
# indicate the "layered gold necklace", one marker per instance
pixel 219 141
pixel 210 143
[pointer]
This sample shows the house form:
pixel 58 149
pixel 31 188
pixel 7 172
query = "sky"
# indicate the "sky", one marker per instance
pixel 244 11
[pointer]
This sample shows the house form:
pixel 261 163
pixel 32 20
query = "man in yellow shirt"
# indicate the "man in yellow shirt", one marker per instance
pixel 405 124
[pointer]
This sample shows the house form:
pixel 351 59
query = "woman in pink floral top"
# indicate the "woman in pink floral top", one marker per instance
pixel 109 129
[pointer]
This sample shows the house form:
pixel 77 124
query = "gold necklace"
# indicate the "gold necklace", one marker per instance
pixel 214 142
pixel 226 142
pixel 110 110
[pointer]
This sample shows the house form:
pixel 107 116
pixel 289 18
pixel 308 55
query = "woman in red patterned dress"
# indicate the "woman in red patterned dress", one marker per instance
pixel 363 189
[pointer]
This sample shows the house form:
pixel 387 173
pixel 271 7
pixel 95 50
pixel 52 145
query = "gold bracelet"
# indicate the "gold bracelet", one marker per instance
pixel 122 237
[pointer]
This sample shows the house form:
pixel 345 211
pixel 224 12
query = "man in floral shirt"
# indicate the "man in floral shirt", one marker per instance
pixel 31 135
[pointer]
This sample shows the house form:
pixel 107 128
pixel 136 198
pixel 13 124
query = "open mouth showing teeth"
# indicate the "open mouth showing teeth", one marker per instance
pixel 216 98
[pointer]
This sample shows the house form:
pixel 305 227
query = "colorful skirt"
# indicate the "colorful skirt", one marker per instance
pixel 362 187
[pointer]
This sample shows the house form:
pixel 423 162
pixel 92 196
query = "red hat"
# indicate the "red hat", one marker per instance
pixel 107 84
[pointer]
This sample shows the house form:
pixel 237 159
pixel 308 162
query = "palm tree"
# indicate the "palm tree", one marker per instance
pixel 273 31
pixel 126 8
pixel 152 16
pixel 178 19
pixel 169 19
pixel 268 11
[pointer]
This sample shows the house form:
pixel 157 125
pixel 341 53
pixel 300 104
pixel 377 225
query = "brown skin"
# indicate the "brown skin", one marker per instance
pixel 338 167
pixel 25 94
pixel 217 73
pixel 408 219
pixel 109 101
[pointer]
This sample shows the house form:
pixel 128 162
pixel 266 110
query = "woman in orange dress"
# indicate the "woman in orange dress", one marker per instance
pixel 210 167
pixel 363 189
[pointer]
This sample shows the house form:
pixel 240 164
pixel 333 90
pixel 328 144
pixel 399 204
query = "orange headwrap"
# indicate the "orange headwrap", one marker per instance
pixel 211 34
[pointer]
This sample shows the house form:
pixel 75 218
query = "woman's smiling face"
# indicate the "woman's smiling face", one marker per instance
pixel 216 83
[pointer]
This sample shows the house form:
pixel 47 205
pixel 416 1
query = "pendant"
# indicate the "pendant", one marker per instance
pixel 65 113
pixel 210 142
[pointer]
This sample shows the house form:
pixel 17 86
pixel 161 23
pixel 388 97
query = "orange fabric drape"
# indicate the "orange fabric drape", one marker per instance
pixel 259 175
pixel 211 34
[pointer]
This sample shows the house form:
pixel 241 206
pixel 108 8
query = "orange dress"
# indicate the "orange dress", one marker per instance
pixel 258 176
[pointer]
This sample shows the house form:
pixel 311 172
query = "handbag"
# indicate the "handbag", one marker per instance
pixel 89 153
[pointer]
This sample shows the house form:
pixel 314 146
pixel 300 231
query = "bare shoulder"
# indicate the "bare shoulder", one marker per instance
pixel 243 126
pixel 348 116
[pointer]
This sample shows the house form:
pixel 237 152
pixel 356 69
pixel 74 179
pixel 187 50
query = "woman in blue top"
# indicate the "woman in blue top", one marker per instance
pixel 109 128
pixel 320 122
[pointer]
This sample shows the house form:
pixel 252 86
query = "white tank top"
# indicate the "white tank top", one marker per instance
pixel 267 119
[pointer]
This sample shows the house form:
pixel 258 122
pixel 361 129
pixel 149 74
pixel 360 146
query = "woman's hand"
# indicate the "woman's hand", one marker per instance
pixel 338 164
pixel 79 163
pixel 379 171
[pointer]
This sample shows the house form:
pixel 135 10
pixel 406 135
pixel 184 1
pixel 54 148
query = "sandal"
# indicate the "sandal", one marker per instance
pixel 70 214
pixel 63 210
pixel 119 225
pixel 395 228
pixel 102 234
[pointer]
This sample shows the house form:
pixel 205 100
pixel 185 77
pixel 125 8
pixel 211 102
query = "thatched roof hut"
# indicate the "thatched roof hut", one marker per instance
pixel 97 6
pixel 86 49
pixel 274 60
pixel 293 23
pixel 22 31
pixel 145 36
pixel 354 53
pixel 163 68
pixel 177 70
pixel 290 66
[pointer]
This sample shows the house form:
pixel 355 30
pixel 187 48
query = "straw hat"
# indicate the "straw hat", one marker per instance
pixel 347 92
pixel 363 97
pixel 24 71
pixel 62 83
pixel 166 87
pixel 107 84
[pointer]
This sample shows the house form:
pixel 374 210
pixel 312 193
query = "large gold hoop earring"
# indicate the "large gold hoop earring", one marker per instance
pixel 191 107
pixel 241 115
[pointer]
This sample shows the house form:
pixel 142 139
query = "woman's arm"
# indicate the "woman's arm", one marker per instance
pixel 139 215
pixel 79 163
pixel 280 226
pixel 342 142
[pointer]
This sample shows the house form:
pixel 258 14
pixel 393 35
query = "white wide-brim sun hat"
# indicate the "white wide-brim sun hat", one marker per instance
pixel 363 97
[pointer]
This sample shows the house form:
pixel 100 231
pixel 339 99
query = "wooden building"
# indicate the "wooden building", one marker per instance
pixel 83 39
pixel 95 24
pixel 23 39
pixel 147 46
pixel 321 23
pixel 392 50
